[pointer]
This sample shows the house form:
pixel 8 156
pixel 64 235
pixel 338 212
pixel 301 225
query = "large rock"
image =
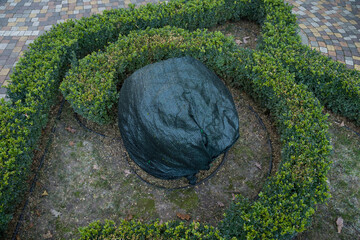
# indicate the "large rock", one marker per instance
pixel 175 117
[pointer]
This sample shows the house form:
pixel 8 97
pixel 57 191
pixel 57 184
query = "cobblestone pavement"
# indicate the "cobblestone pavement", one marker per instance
pixel 330 26
pixel 21 21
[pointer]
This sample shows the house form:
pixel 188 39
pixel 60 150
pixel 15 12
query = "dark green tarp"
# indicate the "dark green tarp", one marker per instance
pixel 175 117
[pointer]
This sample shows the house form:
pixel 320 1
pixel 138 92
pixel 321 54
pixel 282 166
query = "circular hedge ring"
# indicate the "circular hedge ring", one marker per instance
pixel 274 75
pixel 286 202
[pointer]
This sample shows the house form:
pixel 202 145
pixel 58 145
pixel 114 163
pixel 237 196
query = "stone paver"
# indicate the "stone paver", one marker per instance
pixel 21 21
pixel 332 27
pixel 329 26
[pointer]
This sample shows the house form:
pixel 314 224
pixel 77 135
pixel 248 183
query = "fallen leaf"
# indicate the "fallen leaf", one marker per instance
pixel 70 129
pixel 258 165
pixel 96 167
pixel 238 42
pixel 129 217
pixel 245 39
pixel 220 204
pixel 55 213
pixel 127 172
pixel 71 143
pixel 31 225
pixel 340 224
pixel 342 124
pixel 183 216
pixel 18 237
pixel 47 235
pixel 233 196
pixel 255 39
pixel 44 194
pixel 37 212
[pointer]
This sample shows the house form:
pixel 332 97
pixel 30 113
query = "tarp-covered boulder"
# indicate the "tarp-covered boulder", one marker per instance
pixel 175 117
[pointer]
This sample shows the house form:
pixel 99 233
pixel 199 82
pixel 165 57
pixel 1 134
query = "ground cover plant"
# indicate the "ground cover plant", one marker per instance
pixel 282 75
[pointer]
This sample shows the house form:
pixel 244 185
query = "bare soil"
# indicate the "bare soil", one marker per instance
pixel 244 32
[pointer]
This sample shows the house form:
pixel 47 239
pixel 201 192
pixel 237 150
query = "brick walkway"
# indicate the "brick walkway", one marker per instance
pixel 330 26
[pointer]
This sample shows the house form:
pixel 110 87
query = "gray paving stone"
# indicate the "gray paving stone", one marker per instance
pixel 3 45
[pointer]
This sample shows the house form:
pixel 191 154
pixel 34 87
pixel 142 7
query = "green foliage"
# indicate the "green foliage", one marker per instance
pixel 37 75
pixel 337 87
pixel 288 200
pixel 91 88
pixel 282 74
pixel 155 230
pixel 15 157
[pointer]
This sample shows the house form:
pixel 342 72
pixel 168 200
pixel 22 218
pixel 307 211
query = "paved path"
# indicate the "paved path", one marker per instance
pixel 21 21
pixel 330 26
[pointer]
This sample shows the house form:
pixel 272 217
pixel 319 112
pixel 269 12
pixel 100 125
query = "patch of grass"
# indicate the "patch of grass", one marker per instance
pixel 102 183
pixel 79 144
pixel 250 184
pixel 146 205
pixel 240 149
pixel 62 227
pixel 184 199
pixel 77 194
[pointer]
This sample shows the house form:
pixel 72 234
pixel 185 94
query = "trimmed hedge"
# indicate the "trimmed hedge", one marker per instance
pixel 15 157
pixel 271 75
pixel 91 88
pixel 37 75
pixel 137 230
pixel 337 87
pixel 298 115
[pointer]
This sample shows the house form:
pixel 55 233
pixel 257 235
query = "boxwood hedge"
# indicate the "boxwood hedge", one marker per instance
pixel 288 199
pixel 283 75
pixel 92 86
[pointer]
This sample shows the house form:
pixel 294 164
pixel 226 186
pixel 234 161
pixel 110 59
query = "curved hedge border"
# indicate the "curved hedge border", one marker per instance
pixel 155 230
pixel 298 114
pixel 91 86
pixel 337 87
pixel 38 74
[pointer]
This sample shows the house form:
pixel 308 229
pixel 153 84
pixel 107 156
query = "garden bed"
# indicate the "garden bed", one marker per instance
pixel 290 80
pixel 87 177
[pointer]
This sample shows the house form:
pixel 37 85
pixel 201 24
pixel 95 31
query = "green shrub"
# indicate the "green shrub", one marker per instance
pixel 92 87
pixel 37 75
pixel 275 75
pixel 156 230
pixel 301 180
pixel 15 157
pixel 337 87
